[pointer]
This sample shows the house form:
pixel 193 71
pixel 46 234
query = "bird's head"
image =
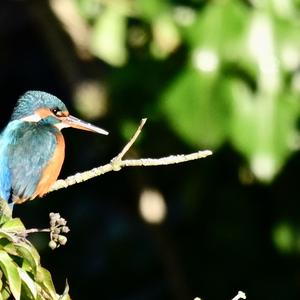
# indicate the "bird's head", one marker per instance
pixel 37 106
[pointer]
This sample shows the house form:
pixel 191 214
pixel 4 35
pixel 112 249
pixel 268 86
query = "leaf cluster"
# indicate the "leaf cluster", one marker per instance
pixel 21 273
pixel 217 72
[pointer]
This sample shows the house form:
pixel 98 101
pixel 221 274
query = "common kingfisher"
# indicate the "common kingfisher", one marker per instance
pixel 32 147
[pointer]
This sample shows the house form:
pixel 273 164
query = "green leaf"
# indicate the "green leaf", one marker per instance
pixel 6 236
pixel 30 256
pixel 196 106
pixel 165 36
pixel 8 246
pixel 5 211
pixel 14 225
pixel 29 283
pixel 4 242
pixel 11 273
pixel 65 295
pixel 150 10
pixel 263 128
pixel 1 278
pixel 228 21
pixel 45 281
pixel 108 40
pixel 3 218
pixel 5 293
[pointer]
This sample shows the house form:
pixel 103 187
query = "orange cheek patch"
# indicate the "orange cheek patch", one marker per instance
pixel 43 112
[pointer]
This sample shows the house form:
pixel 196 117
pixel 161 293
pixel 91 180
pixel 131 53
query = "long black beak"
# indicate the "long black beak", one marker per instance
pixel 79 124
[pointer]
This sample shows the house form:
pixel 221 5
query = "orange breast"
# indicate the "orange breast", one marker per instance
pixel 53 168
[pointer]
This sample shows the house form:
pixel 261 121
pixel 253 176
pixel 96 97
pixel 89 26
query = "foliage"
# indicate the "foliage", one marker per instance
pixel 237 80
pixel 22 276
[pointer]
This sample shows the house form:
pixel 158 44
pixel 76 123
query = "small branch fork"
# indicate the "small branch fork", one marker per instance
pixel 117 163
pixel 240 295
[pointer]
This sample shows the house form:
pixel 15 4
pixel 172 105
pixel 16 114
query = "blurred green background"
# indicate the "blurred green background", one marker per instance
pixel 220 75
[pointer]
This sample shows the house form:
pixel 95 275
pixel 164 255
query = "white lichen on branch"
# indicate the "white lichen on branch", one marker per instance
pixel 117 163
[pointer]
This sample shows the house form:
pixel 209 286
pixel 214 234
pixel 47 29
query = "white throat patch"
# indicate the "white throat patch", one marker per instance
pixel 32 118
pixel 36 118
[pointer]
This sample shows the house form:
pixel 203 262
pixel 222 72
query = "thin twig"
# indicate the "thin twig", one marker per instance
pixel 132 140
pixel 34 230
pixel 116 164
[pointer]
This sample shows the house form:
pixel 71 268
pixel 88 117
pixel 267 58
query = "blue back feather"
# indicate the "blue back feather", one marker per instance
pixel 5 175
pixel 6 139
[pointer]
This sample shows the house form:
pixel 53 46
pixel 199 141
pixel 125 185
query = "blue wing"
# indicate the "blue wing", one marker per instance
pixel 26 150
pixel 5 174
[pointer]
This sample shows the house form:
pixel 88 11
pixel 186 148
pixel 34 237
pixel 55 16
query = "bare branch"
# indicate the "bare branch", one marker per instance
pixel 169 160
pixel 117 163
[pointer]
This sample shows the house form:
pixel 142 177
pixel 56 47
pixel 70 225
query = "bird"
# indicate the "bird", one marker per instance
pixel 32 147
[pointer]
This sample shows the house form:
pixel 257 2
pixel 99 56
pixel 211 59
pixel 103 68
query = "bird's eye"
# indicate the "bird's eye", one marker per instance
pixel 57 112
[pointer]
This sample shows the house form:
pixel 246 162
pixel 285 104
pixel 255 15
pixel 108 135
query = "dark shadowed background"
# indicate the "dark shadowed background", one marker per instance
pixel 220 75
